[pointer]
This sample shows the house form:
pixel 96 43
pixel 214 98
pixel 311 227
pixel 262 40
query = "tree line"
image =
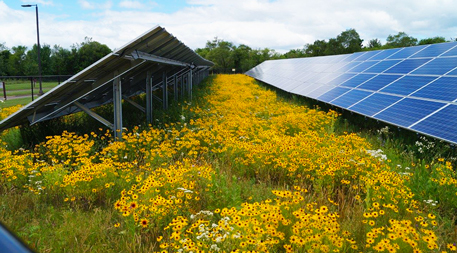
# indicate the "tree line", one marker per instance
pixel 227 56
pixel 22 61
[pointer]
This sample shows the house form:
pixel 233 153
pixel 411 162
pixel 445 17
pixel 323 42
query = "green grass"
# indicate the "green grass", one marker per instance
pixel 16 101
pixel 24 92
pixel 21 85
pixel 22 88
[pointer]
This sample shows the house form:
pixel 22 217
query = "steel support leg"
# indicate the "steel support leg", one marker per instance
pixel 117 100
pixel 165 91
pixel 149 97
pixel 182 86
pixel 190 84
pixel 175 87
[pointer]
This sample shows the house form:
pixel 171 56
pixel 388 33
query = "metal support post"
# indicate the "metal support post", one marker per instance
pixel 175 87
pixel 165 91
pixel 182 86
pixel 117 100
pixel 190 84
pixel 149 97
pixel 31 86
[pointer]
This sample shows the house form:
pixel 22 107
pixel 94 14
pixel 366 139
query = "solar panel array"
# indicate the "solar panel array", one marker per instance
pixel 413 87
pixel 156 51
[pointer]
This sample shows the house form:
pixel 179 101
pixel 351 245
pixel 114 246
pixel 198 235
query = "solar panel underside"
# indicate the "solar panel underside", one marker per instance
pixel 413 88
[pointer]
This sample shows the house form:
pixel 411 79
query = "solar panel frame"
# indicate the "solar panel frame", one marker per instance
pixel 89 86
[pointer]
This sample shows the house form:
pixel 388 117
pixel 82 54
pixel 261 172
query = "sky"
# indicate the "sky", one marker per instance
pixel 276 24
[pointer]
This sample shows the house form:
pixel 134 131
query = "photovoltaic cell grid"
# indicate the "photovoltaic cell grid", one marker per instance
pixel 413 87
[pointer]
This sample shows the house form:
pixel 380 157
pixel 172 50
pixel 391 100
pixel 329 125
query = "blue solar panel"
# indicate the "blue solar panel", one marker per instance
pixel 385 54
pixel 357 80
pixel 378 82
pixel 444 88
pixel 354 56
pixel 367 55
pixel 406 87
pixel 341 79
pixel 328 78
pixel 382 66
pixel 406 52
pixel 408 84
pixel 438 66
pixel 434 50
pixel 453 72
pixel 305 88
pixel 407 66
pixel 351 98
pixel 408 111
pixel 363 66
pixel 347 67
pixel 441 124
pixel 374 104
pixel 319 91
pixel 332 94
pixel 452 52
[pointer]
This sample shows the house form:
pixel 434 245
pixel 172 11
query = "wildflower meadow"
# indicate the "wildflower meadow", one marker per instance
pixel 240 170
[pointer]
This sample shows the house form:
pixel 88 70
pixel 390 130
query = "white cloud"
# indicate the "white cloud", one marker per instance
pixel 42 2
pixel 280 24
pixel 88 5
pixel 129 4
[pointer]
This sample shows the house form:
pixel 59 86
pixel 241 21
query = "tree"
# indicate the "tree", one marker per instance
pixel 374 44
pixel 433 40
pixel 89 52
pixel 240 56
pixel 333 47
pixel 295 53
pixel 349 42
pixel 31 61
pixel 317 48
pixel 220 53
pixel 61 59
pixel 4 59
pixel 400 40
pixel 16 61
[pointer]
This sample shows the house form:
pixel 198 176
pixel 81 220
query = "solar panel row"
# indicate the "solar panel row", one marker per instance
pixel 414 87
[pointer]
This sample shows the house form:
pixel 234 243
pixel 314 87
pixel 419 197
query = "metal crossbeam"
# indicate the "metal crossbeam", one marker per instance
pixel 149 57
pixel 141 108
pixel 94 115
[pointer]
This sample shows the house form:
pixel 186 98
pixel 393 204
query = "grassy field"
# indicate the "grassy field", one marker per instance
pixel 16 101
pixel 17 89
pixel 237 169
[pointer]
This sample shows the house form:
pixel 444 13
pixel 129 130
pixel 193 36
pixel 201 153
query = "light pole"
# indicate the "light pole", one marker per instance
pixel 38 44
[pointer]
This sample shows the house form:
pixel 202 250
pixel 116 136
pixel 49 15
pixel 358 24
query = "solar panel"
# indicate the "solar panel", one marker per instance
pixel 378 82
pixel 151 61
pixel 408 84
pixel 413 88
pixel 381 66
pixel 441 124
pixel 357 80
pixel 407 111
pixel 407 66
pixel 444 88
pixel 350 98
pixel 374 104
